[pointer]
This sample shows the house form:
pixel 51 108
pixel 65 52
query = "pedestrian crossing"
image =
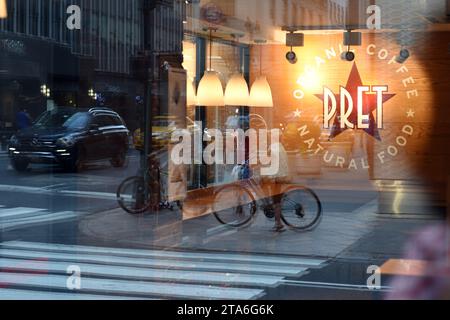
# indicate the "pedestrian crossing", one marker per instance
pixel 21 217
pixel 115 273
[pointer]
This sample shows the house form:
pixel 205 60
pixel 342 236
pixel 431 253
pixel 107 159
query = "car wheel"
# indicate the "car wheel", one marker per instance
pixel 119 160
pixel 75 164
pixel 20 165
pixel 72 166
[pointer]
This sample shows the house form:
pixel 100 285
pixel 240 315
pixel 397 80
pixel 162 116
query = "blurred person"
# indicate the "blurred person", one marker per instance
pixel 276 181
pixel 431 245
pixel 23 119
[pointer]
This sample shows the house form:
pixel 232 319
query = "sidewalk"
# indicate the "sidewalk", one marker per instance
pixel 356 232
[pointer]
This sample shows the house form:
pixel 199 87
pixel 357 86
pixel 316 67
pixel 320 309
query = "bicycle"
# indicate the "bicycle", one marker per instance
pixel 139 194
pixel 236 205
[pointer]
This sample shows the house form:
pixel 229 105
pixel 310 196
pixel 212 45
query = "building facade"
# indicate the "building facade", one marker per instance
pixel 92 65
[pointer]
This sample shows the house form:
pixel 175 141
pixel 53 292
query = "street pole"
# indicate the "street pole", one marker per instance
pixel 156 16
pixel 201 170
pixel 146 128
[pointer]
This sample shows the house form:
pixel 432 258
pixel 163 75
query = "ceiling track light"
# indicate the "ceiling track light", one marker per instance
pixel 294 40
pixel 291 56
pixel 348 55
pixel 351 39
pixel 403 56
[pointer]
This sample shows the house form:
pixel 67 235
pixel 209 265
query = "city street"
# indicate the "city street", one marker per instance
pixel 46 194
pixel 51 220
pixel 224 150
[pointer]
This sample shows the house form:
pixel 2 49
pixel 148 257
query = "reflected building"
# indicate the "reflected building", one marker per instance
pixel 85 67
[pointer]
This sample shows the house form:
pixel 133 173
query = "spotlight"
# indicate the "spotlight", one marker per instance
pixel 291 56
pixel 348 56
pixel 351 39
pixel 403 56
pixel 293 40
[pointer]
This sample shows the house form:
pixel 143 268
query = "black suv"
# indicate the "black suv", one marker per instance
pixel 70 137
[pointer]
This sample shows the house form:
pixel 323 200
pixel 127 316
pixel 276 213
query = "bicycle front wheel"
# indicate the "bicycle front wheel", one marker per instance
pixel 234 206
pixel 132 197
pixel 301 208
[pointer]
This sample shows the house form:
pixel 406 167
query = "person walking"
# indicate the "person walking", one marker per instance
pixel 276 182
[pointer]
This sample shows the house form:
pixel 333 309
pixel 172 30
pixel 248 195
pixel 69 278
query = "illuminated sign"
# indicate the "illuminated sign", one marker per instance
pixel 359 105
pixel 354 106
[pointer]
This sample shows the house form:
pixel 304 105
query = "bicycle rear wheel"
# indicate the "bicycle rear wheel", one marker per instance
pixel 234 206
pixel 131 195
pixel 300 208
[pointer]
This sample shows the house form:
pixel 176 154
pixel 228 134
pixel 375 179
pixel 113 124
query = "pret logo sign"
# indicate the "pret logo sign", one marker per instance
pixel 356 106
pixel 360 105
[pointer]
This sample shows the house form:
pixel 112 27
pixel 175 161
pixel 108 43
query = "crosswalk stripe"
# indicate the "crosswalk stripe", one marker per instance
pixel 68 193
pixel 29 268
pixel 18 212
pixel 17 294
pixel 20 217
pixel 90 194
pixel 155 262
pixel 33 221
pixel 44 216
pixel 141 274
pixel 140 253
pixel 127 287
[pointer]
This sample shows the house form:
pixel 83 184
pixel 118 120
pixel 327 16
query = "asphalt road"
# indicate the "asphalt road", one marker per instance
pixel 47 186
pixel 94 188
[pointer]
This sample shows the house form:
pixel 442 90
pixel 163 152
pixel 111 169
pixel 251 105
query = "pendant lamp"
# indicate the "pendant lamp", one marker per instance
pixel 236 92
pixel 3 10
pixel 210 90
pixel 261 93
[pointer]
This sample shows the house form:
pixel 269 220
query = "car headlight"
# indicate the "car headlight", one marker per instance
pixel 68 141
pixel 13 141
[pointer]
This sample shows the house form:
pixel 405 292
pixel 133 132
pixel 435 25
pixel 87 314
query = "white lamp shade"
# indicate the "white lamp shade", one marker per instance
pixel 236 92
pixel 210 91
pixel 261 94
pixel 191 98
pixel 3 10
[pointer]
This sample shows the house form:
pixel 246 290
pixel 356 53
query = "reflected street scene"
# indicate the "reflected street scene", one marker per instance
pixel 224 149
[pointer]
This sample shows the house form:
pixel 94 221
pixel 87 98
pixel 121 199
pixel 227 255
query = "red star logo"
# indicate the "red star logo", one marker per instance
pixel 369 105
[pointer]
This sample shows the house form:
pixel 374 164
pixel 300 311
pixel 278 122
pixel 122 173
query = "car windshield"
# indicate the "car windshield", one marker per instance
pixel 63 119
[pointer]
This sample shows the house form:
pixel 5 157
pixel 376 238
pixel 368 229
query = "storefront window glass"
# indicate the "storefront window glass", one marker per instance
pixel 337 155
